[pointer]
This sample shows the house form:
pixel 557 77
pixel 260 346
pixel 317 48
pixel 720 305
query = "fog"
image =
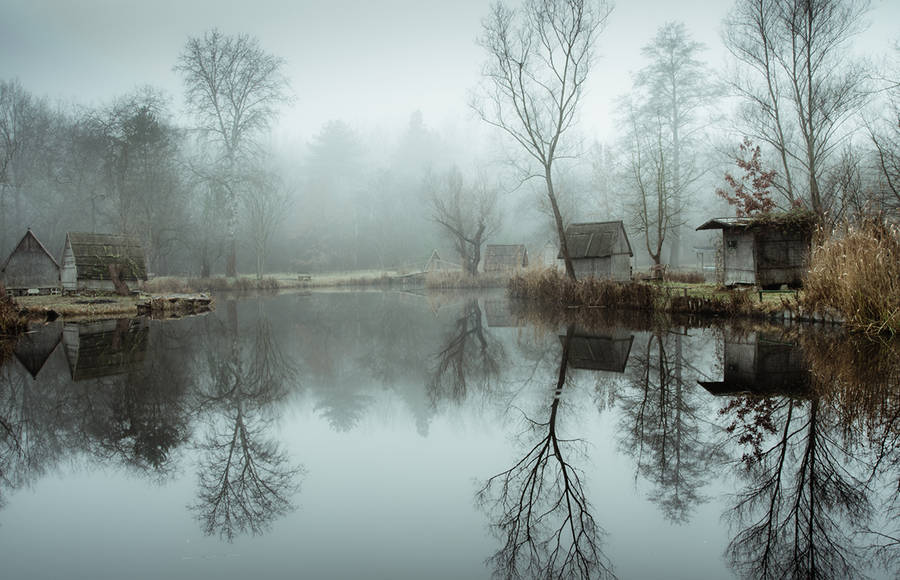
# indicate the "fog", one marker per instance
pixel 375 112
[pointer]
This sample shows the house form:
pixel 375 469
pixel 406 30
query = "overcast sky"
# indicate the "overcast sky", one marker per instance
pixel 369 62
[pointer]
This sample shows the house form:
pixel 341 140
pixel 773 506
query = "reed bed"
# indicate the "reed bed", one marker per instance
pixel 554 288
pixel 857 273
pixel 10 320
pixel 458 279
pixel 173 284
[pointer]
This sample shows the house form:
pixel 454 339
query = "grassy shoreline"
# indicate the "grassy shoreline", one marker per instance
pixel 552 290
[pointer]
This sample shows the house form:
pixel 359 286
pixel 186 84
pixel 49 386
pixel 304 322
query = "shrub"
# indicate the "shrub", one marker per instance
pixel 857 273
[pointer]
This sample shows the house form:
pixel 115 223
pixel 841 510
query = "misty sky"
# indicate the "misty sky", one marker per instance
pixel 369 62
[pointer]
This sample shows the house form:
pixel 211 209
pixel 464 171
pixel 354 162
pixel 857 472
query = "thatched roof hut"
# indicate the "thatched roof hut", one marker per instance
pixel 505 257
pixel 766 250
pixel 599 249
pixel 30 268
pixel 87 259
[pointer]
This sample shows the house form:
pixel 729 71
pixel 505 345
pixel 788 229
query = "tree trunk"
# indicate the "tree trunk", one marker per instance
pixel 560 229
pixel 231 260
pixel 115 274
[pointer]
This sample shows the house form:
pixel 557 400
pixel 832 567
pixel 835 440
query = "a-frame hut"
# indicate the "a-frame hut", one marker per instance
pixel 34 347
pixel 505 257
pixel 599 249
pixel 87 259
pixel 30 268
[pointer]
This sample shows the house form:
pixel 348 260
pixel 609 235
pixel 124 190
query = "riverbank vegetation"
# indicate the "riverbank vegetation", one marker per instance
pixel 550 289
pixel 857 273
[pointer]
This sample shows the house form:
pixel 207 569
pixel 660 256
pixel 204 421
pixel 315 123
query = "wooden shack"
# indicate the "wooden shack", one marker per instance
pixel 608 352
pixel 761 364
pixel 505 257
pixel 106 347
pixel 87 259
pixel 30 268
pixel 767 252
pixel 599 249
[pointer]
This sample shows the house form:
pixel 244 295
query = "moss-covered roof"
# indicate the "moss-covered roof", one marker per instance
pixel 94 253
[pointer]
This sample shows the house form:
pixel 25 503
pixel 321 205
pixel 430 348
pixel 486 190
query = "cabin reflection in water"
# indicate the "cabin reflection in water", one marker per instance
pixel 606 352
pixel 105 348
pixel 761 364
pixel 35 346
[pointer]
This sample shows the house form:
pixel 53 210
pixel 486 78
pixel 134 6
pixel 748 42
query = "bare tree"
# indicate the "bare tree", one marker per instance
pixel 648 172
pixel 467 214
pixel 676 86
pixel 801 90
pixel 267 203
pixel 539 58
pixel 233 88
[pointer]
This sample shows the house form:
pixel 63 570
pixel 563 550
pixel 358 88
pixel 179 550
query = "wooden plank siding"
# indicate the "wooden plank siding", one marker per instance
pixel 30 267
pixel 87 258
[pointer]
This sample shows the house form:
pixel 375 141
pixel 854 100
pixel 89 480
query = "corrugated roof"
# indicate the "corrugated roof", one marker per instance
pixel 95 252
pixel 726 223
pixel 596 240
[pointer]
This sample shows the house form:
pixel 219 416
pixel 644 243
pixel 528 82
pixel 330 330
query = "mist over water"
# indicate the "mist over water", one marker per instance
pixel 334 434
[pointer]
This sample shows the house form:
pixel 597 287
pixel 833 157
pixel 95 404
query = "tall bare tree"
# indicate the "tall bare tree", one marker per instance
pixel 648 173
pixel 799 87
pixel 538 62
pixel 675 86
pixel 468 214
pixel 267 203
pixel 233 88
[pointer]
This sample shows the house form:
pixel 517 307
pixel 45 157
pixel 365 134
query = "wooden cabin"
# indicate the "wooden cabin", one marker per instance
pixel 600 353
pixel 599 249
pixel 761 364
pixel 30 268
pixel 764 252
pixel 87 259
pixel 505 257
pixel 105 348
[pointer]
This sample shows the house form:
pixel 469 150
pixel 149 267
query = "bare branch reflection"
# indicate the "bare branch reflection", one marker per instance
pixel 469 354
pixel 661 428
pixel 541 508
pixel 246 481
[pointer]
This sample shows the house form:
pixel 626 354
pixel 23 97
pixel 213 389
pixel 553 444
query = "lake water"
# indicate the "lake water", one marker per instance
pixel 393 436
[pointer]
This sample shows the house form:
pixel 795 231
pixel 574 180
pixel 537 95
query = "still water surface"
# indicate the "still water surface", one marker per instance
pixel 388 435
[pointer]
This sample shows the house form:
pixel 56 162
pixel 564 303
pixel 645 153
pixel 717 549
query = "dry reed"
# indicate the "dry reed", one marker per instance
pixel 458 279
pixel 171 284
pixel 857 273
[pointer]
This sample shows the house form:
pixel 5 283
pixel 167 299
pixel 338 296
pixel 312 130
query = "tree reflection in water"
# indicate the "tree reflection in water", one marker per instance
pixel 661 428
pixel 814 464
pixel 541 508
pixel 469 354
pixel 246 480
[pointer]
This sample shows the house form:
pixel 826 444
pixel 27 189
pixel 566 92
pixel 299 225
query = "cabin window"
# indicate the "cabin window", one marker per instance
pixel 731 244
